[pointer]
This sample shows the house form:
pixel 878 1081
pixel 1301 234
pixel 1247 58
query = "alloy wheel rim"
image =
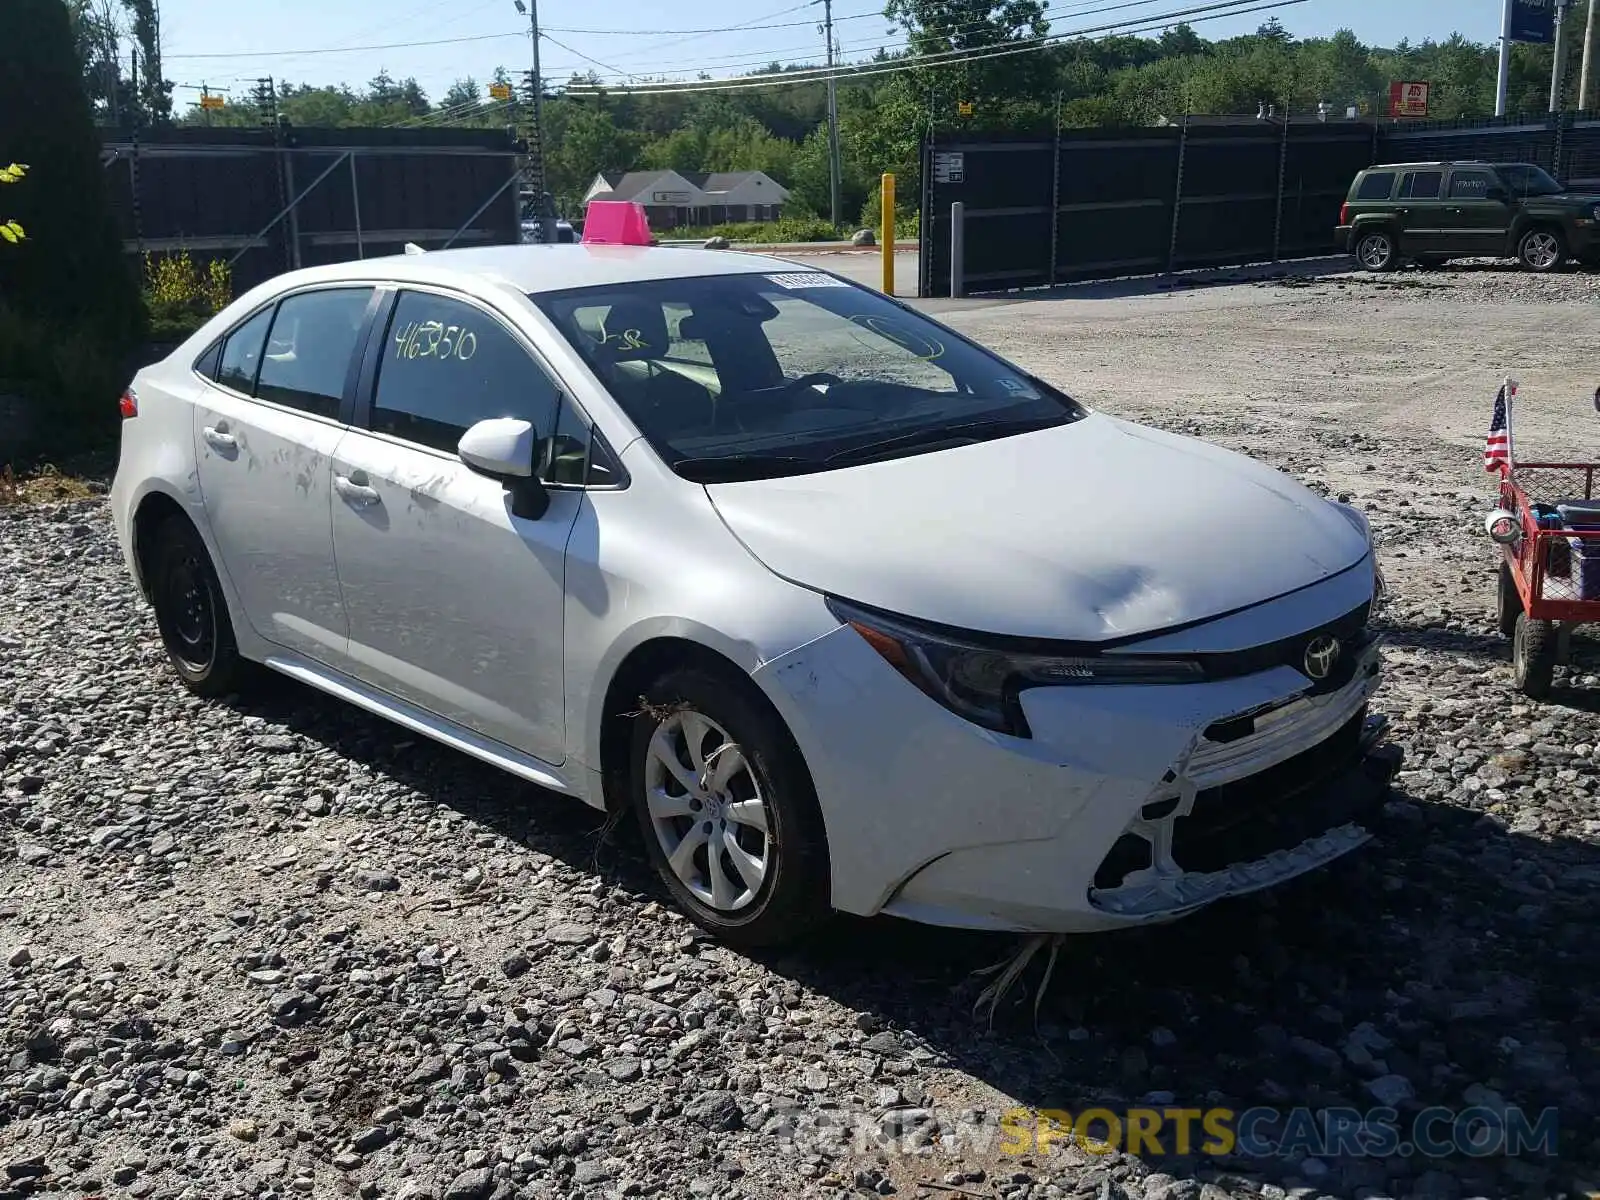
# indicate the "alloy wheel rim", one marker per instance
pixel 1374 251
pixel 708 811
pixel 1541 249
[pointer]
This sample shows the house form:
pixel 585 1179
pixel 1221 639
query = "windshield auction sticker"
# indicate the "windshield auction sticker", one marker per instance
pixel 806 279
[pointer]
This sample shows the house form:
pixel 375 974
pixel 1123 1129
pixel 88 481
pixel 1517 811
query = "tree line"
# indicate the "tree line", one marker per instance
pixel 1113 81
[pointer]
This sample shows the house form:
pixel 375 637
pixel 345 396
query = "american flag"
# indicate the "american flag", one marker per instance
pixel 1497 446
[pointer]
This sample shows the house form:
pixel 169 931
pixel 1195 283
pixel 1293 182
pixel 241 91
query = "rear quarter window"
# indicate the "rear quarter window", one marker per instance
pixel 1376 185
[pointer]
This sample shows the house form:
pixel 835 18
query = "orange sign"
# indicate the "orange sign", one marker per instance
pixel 1408 99
pixel 212 102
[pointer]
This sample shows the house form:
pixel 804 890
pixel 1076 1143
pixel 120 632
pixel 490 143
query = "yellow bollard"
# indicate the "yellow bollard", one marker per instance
pixel 888 235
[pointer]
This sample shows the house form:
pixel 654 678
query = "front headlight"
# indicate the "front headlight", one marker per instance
pixel 981 683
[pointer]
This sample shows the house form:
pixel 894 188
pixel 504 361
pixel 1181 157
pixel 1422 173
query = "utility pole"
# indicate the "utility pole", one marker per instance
pixel 833 114
pixel 1558 68
pixel 533 170
pixel 1503 81
pixel 1584 98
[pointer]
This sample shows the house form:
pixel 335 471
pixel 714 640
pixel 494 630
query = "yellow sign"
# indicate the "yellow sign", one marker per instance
pixel 212 102
pixel 964 108
pixel 500 91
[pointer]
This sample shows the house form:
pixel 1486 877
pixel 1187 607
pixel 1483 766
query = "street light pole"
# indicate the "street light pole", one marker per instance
pixel 1588 55
pixel 1502 83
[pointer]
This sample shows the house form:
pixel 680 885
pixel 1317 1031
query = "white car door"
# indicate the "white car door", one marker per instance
pixel 455 603
pixel 265 428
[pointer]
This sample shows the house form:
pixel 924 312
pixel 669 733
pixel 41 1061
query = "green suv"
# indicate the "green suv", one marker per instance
pixel 1432 212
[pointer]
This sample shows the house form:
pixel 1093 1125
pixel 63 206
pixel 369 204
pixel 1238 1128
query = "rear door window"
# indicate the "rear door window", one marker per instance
pixel 1376 186
pixel 1421 185
pixel 241 353
pixel 1470 185
pixel 311 348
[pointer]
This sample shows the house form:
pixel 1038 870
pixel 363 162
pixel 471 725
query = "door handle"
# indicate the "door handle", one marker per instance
pixel 353 489
pixel 219 437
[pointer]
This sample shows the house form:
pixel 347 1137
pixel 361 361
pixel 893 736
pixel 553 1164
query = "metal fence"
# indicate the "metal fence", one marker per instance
pixel 309 196
pixel 1087 204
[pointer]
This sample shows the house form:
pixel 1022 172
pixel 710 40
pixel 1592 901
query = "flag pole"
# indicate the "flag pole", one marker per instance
pixel 1511 445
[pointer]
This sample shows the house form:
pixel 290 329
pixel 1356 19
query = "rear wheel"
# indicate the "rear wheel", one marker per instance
pixel 191 611
pixel 1541 249
pixel 1375 250
pixel 727 809
pixel 1510 603
pixel 1533 656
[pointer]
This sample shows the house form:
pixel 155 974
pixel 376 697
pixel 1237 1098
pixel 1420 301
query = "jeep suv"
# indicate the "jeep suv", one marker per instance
pixel 1433 212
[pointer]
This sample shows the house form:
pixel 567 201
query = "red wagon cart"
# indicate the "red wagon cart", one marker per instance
pixel 1548 530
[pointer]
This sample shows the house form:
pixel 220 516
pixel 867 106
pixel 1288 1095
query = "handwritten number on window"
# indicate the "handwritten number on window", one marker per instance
pixel 433 339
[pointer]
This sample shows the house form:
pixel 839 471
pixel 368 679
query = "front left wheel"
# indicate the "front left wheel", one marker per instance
pixel 727 809
pixel 191 612
pixel 1534 651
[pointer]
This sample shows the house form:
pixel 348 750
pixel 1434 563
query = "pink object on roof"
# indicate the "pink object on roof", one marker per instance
pixel 615 223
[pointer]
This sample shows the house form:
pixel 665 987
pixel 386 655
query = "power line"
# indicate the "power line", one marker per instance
pixel 618 71
pixel 719 29
pixel 896 41
pixel 943 58
pixel 482 37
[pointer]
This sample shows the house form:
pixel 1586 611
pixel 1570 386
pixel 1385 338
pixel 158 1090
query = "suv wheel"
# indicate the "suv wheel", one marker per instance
pixel 1541 249
pixel 1376 250
pixel 727 809
pixel 191 612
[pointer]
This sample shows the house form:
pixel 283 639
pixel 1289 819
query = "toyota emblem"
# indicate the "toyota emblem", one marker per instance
pixel 1321 655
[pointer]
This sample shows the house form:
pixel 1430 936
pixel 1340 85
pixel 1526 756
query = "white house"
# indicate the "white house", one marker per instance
pixel 674 198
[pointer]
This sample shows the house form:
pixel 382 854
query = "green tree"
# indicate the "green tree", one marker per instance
pixel 153 96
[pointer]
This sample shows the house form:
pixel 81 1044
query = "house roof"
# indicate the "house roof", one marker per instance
pixel 625 185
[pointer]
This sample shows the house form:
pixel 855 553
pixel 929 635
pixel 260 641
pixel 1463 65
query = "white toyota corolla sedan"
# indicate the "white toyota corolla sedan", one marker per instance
pixel 851 613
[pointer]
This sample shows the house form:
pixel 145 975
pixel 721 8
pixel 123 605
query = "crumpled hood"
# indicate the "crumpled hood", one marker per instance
pixel 1089 531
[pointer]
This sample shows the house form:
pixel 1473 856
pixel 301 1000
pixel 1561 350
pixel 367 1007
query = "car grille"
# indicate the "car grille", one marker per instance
pixel 1350 631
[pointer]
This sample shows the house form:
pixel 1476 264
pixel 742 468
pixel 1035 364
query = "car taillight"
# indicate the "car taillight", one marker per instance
pixel 128 406
pixel 1344 213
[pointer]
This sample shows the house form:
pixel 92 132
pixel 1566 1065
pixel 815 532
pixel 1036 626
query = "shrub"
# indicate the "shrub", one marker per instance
pixel 67 378
pixel 180 296
pixel 785 229
pixel 10 230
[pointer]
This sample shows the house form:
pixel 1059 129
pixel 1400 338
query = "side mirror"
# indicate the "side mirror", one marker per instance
pixel 503 448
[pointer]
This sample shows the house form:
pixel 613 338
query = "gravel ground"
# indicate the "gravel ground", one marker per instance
pixel 274 947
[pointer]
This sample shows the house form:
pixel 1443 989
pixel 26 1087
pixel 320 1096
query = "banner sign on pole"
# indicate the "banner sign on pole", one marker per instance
pixel 1533 21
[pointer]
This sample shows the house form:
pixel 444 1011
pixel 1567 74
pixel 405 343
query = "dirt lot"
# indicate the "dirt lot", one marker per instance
pixel 275 947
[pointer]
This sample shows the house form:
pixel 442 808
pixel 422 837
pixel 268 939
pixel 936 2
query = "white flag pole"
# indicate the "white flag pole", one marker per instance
pixel 1511 395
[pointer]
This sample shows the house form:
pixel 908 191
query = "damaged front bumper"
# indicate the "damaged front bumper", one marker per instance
pixel 1310 826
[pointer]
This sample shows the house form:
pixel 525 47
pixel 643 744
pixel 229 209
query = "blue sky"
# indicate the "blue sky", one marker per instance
pixel 249 35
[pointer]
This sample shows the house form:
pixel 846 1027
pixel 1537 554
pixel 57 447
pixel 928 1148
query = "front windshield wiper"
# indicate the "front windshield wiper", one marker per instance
pixel 730 468
pixel 943 433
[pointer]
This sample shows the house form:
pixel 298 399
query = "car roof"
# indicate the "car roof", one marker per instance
pixel 1407 166
pixel 544 268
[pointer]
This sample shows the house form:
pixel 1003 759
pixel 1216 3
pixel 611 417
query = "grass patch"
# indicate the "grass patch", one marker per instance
pixel 43 485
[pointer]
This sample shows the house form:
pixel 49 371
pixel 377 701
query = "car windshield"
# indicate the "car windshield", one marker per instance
pixel 747 375
pixel 1525 179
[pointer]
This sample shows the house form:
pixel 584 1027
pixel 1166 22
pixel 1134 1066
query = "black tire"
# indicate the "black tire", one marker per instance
pixel 192 612
pixel 1376 250
pixel 1510 602
pixel 1533 657
pixel 1541 249
pixel 792 898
